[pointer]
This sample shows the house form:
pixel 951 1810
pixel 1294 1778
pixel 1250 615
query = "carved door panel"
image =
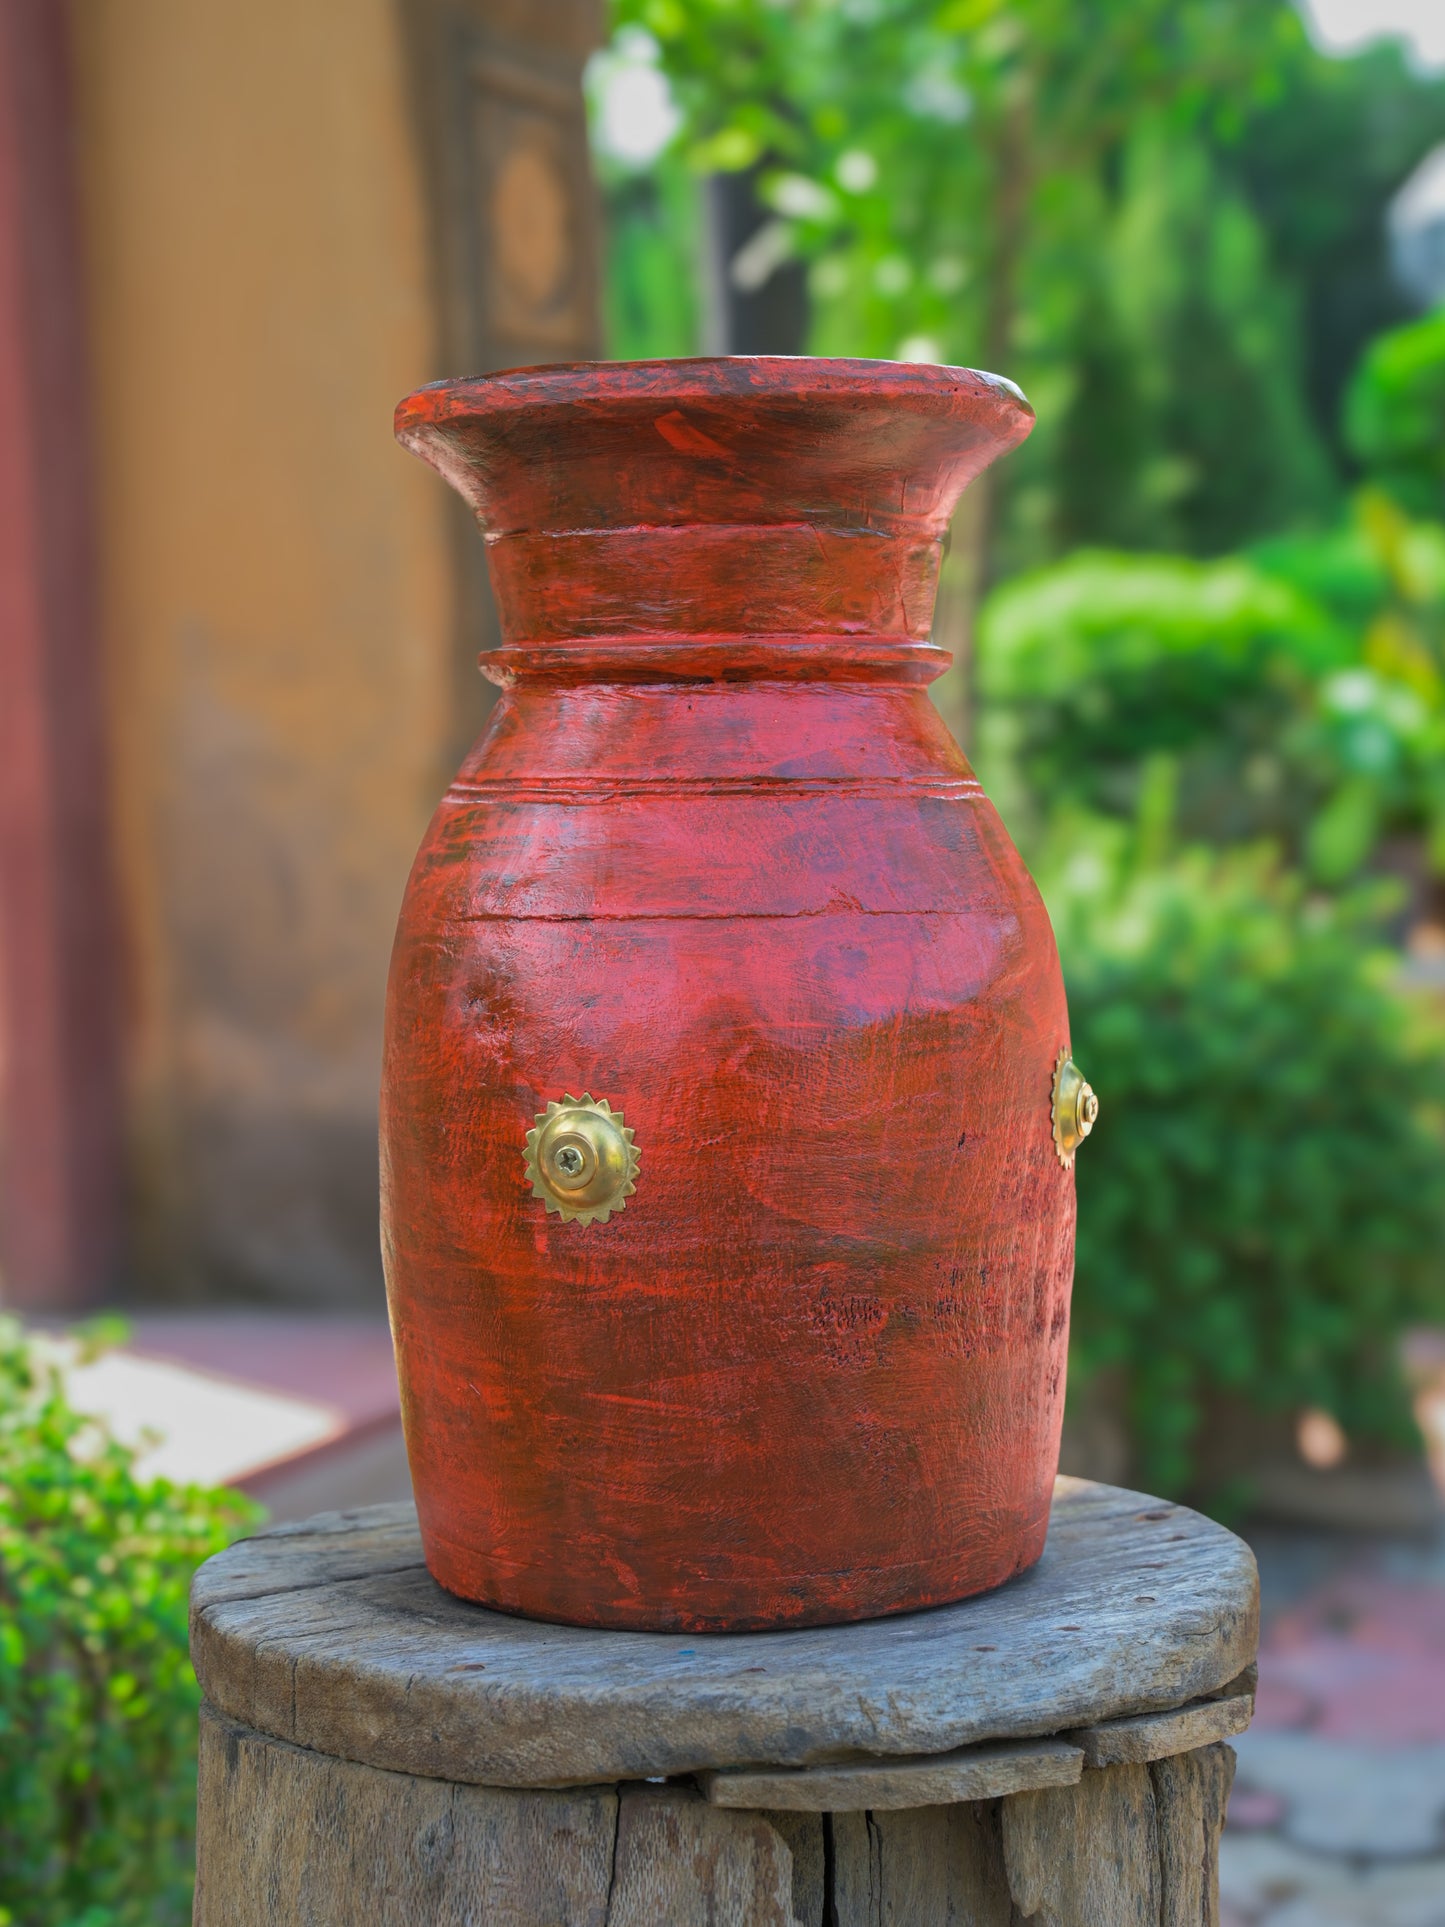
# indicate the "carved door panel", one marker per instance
pixel 497 91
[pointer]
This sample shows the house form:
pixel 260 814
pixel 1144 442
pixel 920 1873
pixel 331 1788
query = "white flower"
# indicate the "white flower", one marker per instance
pixel 634 115
pixel 856 170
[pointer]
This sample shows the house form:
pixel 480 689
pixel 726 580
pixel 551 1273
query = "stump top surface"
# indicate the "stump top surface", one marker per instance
pixel 333 1635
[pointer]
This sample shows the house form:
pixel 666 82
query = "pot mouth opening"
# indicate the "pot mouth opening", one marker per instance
pixel 737 440
pixel 711 377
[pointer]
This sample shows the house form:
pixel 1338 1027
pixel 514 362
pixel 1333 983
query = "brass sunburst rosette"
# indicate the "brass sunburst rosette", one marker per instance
pixel 582 1159
pixel 1075 1108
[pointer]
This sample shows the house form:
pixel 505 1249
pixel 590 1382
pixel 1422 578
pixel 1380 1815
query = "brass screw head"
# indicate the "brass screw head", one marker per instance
pixel 582 1160
pixel 1075 1108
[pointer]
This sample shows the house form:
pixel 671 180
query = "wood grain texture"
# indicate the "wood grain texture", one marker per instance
pixel 1191 1794
pixel 717 860
pixel 287 1837
pixel 1157 1736
pixel 934 1867
pixel 331 1634
pixel 1086 1855
pixel 938 1779
pixel 803 1835
pixel 682 1862
pixel 291 1838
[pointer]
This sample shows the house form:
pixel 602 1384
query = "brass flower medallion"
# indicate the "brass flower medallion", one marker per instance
pixel 1075 1108
pixel 582 1160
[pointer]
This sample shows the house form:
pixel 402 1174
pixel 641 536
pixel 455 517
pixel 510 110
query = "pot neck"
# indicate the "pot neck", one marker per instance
pixel 740 519
pixel 790 600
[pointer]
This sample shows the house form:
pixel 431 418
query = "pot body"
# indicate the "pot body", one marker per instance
pixel 743 886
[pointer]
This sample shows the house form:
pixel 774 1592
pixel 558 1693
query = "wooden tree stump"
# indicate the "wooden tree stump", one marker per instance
pixel 375 1751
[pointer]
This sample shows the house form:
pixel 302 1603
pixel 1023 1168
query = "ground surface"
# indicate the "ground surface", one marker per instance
pixel 1338 1813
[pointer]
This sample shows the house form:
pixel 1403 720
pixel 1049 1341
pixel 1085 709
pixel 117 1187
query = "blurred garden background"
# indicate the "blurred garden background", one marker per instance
pixel 1198 626
pixel 1198 620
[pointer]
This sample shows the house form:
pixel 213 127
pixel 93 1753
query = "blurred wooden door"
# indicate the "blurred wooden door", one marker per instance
pixel 248 1037
pixel 499 108
pixel 60 968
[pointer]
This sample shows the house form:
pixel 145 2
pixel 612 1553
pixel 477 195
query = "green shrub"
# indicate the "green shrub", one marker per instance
pixel 1097 665
pixel 97 1698
pixel 1299 691
pixel 1262 1206
pixel 1395 414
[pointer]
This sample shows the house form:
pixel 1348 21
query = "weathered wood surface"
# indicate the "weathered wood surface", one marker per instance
pixel 940 1865
pixel 1084 1854
pixel 938 1779
pixel 1191 1792
pixel 291 1838
pixel 679 1860
pixel 331 1634
pixel 1156 1736
pixel 1129 1846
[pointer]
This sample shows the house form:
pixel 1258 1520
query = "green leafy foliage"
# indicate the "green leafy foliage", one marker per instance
pixel 1298 689
pixel 1165 221
pixel 1162 219
pixel 1317 163
pixel 1395 415
pixel 1095 668
pixel 1371 748
pixel 97 1698
pixel 1263 1208
pixel 651 291
pixel 1170 371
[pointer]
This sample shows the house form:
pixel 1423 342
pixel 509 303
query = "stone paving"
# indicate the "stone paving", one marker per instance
pixel 1338 1815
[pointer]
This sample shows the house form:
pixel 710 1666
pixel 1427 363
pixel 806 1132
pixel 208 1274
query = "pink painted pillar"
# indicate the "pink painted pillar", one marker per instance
pixel 59 963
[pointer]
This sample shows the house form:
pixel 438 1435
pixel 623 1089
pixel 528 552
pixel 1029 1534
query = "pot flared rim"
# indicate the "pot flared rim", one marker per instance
pixel 698 378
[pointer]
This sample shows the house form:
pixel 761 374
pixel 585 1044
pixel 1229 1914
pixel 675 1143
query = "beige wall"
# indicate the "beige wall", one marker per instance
pixel 277 601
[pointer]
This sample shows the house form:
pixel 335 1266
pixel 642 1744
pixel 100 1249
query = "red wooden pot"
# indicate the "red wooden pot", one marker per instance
pixel 786 1344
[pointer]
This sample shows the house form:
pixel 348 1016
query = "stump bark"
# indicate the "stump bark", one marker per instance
pixel 373 1750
